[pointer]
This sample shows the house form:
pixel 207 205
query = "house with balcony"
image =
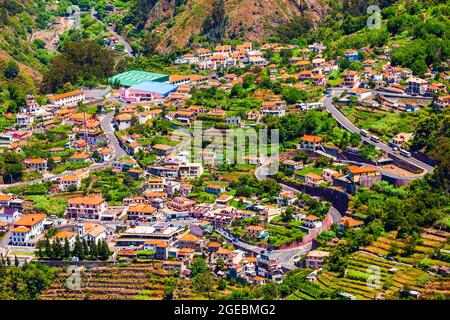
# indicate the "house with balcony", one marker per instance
pixel 141 212
pixel 86 208
pixel 311 142
pixel 181 204
pixel 315 259
pixel 214 189
pixel 416 86
pixel 38 164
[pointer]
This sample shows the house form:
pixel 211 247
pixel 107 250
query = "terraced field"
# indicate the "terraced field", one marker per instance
pixel 134 281
pixel 360 280
pixel 431 241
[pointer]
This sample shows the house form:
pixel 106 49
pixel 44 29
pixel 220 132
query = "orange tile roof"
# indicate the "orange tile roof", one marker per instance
pixel 21 229
pixel 30 220
pixel 64 235
pixel 177 77
pixel 214 244
pixel 189 237
pixel 359 170
pixel 142 208
pixel 5 197
pixel 255 228
pixel 312 217
pixel 314 139
pixel 96 200
pixel 65 95
pixel 80 156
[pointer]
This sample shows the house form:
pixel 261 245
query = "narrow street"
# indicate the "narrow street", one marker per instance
pixel 106 125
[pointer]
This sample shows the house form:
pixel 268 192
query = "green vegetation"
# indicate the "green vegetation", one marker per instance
pixel 25 282
pixel 48 204
pixel 55 250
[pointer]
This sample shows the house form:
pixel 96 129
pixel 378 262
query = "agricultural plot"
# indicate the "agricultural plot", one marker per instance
pixel 430 242
pixel 136 281
pixel 368 276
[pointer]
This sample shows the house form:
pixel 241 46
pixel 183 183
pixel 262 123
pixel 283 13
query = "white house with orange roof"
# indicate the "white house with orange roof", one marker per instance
pixel 91 232
pixel 315 259
pixel 286 198
pixel 86 207
pixel 141 212
pixel 311 142
pixel 26 228
pixel 38 164
pixel 62 235
pixel 67 99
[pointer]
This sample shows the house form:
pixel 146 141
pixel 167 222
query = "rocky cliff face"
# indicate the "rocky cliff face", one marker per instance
pixel 177 21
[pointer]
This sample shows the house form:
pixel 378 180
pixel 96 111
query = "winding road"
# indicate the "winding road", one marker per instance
pixel 349 126
pixel 117 153
pixel 126 45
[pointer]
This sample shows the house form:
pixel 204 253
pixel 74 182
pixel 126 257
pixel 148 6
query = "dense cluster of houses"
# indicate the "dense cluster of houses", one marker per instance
pixel 224 56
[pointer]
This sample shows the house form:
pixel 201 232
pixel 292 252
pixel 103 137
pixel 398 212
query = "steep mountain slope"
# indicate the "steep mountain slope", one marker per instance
pixel 177 22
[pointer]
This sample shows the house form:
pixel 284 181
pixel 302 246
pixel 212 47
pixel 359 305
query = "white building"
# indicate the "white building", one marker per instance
pixel 67 99
pixel 27 228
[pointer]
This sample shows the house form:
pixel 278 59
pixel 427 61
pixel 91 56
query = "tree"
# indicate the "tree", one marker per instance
pixel 66 249
pixel 57 250
pixel 168 293
pixel 48 248
pixel 78 249
pixel 104 251
pixel 198 267
pixel 204 283
pixel 11 70
pixel 16 261
pixel 93 252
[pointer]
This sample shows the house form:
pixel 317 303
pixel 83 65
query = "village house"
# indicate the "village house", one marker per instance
pixel 315 259
pixel 364 176
pixel 273 108
pixel 351 55
pixel 72 98
pixel 38 164
pixel 293 165
pixel 141 212
pixel 181 204
pixel 286 198
pixel 311 142
pixel 313 178
pixel 214 189
pixel 416 86
pixel 27 228
pixel 189 241
pixel 62 235
pixel 91 232
pixel 254 232
pixel 350 223
pixel 311 222
pixel 222 254
pixel 80 157
pixel 86 208
pixel 350 79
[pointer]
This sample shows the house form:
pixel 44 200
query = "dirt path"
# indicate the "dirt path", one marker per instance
pixel 50 36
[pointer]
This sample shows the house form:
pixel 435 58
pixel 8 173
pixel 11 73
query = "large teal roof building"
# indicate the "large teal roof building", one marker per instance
pixel 133 77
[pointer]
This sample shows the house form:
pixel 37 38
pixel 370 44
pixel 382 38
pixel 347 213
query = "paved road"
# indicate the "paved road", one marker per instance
pixel 127 46
pixel 118 152
pixel 106 125
pixel 348 125
pixel 385 94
